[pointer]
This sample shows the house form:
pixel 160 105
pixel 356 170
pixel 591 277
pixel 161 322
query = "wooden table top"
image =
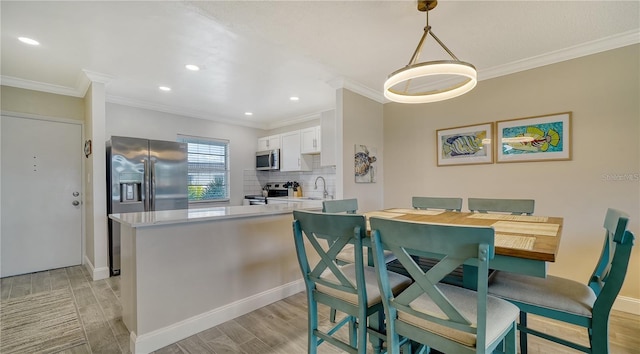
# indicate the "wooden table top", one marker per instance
pixel 530 237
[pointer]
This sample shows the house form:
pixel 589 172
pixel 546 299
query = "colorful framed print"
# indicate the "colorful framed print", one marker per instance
pixel 540 138
pixel 470 144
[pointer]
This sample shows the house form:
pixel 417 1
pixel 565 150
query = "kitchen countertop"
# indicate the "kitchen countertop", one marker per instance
pixel 165 217
pixel 298 199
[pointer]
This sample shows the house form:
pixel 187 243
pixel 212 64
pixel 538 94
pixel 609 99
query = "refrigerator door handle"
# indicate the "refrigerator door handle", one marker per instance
pixel 145 193
pixel 152 179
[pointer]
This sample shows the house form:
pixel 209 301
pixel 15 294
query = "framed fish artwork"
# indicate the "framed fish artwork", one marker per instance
pixel 540 138
pixel 465 145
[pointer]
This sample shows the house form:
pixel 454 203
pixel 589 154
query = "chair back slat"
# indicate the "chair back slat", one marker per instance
pixel 618 270
pixel 446 203
pixel 349 206
pixel 339 231
pixel 513 206
pixel 615 224
pixel 455 245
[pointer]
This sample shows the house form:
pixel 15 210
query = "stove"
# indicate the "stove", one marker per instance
pixel 274 189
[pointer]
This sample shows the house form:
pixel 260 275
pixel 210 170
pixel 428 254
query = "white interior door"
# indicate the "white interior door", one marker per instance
pixel 41 185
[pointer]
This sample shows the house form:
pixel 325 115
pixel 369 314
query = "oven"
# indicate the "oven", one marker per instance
pixel 276 189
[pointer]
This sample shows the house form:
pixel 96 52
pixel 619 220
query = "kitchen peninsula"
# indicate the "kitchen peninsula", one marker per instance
pixel 184 271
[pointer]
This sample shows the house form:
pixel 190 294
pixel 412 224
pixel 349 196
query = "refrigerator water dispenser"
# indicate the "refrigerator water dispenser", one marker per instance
pixel 130 187
pixel 130 192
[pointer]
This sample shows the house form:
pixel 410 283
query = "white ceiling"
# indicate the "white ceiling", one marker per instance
pixel 254 55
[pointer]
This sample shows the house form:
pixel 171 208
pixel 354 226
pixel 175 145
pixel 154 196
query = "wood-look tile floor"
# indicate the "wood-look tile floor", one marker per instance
pixel 279 328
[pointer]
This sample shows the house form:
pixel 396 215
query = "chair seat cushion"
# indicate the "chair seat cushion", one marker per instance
pixel 397 281
pixel 347 255
pixel 500 314
pixel 551 292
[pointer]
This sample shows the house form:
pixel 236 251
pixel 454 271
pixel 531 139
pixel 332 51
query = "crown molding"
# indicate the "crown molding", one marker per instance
pixel 98 77
pixel 87 77
pixel 183 112
pixel 296 120
pixel 601 45
pixel 41 86
pixel 358 88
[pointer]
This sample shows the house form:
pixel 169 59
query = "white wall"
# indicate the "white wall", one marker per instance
pixel 97 237
pixel 137 122
pixel 601 90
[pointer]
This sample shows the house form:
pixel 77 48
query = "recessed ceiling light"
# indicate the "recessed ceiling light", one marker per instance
pixel 192 67
pixel 294 98
pixel 164 88
pixel 248 113
pixel 28 41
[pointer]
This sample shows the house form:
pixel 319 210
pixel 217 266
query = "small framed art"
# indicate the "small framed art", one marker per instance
pixel 87 148
pixel 470 144
pixel 539 138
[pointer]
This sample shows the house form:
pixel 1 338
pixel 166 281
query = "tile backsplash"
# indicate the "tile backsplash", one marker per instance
pixel 255 180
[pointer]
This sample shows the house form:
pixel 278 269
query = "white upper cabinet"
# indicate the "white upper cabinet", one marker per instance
pixel 310 140
pixel 269 143
pixel 291 158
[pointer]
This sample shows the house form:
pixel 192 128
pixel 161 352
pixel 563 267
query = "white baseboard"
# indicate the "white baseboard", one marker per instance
pixel 627 304
pixel 160 338
pixel 96 273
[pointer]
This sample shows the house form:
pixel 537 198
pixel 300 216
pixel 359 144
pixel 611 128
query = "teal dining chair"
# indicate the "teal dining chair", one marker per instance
pixel 587 305
pixel 347 255
pixel 350 288
pixel 440 316
pixel 349 206
pixel 513 206
pixel 446 203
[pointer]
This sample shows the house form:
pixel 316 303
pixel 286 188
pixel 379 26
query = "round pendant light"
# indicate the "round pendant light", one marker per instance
pixel 396 87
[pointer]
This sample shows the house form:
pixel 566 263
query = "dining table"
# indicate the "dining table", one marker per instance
pixel 523 243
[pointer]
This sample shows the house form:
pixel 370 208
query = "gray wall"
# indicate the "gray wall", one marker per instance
pixel 601 90
pixel 362 123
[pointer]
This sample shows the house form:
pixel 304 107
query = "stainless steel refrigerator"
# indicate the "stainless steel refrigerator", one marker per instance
pixel 143 175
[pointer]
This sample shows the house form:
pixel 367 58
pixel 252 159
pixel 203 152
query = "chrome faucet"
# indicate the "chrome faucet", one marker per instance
pixel 324 186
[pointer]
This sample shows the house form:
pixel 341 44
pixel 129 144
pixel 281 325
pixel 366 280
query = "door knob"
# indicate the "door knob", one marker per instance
pixel 75 194
pixel 75 203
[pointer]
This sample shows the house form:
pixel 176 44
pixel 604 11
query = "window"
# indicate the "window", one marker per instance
pixel 208 168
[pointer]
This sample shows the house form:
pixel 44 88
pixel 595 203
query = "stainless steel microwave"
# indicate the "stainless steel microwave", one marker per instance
pixel 268 160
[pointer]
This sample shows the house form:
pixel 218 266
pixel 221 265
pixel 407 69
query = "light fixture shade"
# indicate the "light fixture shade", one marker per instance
pixel 442 67
pixel 415 70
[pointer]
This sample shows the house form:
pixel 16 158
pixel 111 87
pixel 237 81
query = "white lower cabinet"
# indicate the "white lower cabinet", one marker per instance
pixel 291 158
